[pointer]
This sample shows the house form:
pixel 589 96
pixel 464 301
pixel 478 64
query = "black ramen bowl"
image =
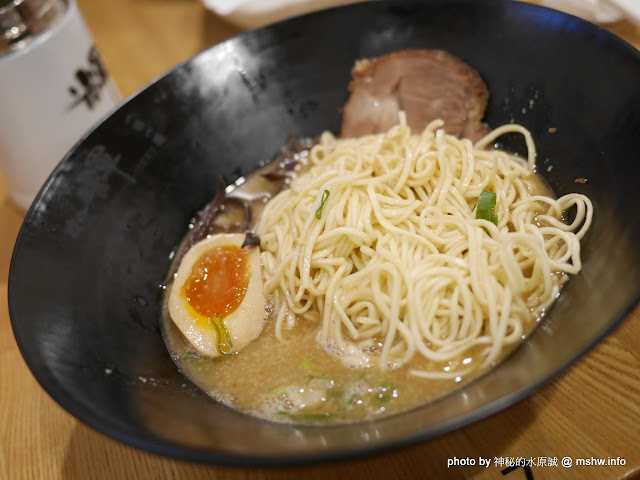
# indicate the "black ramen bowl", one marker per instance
pixel 84 292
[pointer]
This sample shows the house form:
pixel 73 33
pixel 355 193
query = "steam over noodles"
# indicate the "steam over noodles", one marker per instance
pixel 379 245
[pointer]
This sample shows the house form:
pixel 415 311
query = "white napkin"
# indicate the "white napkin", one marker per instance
pixel 224 7
pixel 256 13
pixel 598 11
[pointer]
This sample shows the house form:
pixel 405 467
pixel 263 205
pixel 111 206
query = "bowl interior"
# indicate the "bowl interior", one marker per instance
pixel 84 289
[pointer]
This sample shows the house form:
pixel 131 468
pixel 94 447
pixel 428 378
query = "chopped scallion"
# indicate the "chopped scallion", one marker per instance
pixel 308 363
pixel 485 207
pixel 323 200
pixel 225 345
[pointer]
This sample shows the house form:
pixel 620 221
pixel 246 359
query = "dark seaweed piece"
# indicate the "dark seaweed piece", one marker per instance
pixel 276 175
pixel 204 217
pixel 295 146
pixel 199 227
pixel 237 227
pixel 203 222
pixel 250 239
pixel 246 207
pixel 289 157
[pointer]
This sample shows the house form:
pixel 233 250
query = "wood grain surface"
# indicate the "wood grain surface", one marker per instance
pixel 591 411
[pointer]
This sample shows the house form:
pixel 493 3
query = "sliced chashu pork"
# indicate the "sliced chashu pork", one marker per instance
pixel 426 84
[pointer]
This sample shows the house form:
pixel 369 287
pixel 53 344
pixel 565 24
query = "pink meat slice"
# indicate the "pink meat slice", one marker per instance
pixel 425 84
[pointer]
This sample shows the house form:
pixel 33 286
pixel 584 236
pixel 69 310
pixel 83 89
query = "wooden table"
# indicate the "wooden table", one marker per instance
pixel 591 411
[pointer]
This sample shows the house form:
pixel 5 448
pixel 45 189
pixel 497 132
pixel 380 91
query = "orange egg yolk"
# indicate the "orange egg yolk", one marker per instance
pixel 218 281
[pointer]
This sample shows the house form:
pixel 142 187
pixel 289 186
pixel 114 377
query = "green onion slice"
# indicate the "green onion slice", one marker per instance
pixel 325 196
pixel 308 363
pixel 485 207
pixel 225 345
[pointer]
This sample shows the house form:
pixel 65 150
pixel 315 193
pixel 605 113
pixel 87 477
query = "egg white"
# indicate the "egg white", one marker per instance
pixel 244 324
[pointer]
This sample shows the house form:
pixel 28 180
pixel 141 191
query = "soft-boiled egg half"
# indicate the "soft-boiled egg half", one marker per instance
pixel 217 298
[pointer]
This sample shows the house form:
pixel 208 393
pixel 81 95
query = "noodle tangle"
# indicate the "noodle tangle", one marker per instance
pixel 398 266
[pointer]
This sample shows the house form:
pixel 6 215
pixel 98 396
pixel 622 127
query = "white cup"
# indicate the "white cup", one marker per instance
pixel 53 89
